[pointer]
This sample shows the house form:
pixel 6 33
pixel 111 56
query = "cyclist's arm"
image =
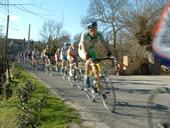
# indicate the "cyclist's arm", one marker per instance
pixel 83 47
pixel 82 44
pixel 33 55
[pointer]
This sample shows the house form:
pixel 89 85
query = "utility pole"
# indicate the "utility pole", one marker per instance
pixel 6 43
pixel 29 36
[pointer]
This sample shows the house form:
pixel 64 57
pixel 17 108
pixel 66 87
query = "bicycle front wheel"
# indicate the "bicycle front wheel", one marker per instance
pixel 107 93
pixel 158 108
pixel 65 73
pixel 50 70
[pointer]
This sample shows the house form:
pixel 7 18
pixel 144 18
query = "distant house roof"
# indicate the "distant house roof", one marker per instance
pixel 17 40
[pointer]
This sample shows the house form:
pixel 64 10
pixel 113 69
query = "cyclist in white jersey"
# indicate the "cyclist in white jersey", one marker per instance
pixel 63 55
pixel 87 49
pixel 57 58
pixel 72 55
pixel 35 56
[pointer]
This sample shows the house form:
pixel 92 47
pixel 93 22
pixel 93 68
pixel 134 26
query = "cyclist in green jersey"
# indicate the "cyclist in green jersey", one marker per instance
pixel 87 50
pixel 47 52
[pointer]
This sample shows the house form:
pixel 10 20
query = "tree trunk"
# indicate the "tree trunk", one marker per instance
pixel 154 64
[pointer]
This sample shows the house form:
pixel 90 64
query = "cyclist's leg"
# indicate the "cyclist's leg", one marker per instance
pixel 95 69
pixel 56 65
pixel 71 67
pixel 63 63
pixel 87 70
pixel 32 61
pixel 96 75
pixel 72 60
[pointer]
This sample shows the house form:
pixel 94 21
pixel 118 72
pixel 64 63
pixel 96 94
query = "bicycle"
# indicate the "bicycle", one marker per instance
pixel 59 67
pixel 158 108
pixel 48 68
pixel 106 89
pixel 35 64
pixel 77 78
pixel 65 72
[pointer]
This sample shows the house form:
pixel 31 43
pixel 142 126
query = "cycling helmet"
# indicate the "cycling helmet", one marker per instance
pixel 47 46
pixel 91 24
pixel 66 44
pixel 74 43
pixel 58 49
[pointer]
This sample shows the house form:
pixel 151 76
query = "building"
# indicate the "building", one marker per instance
pixel 16 45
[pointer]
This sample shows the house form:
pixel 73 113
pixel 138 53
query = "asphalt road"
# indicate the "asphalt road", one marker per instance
pixel 131 93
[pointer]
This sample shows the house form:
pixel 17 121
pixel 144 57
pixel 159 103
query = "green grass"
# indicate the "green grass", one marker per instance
pixel 55 114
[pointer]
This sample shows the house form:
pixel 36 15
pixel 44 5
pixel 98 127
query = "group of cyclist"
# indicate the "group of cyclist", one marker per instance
pixel 85 49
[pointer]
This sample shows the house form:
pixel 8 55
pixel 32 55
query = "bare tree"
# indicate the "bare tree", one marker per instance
pixel 77 37
pixel 64 37
pixel 107 12
pixel 138 22
pixel 51 29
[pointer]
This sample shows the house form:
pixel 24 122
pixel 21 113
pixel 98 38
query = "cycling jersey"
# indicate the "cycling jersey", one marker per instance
pixel 26 53
pixel 42 55
pixel 29 54
pixel 35 54
pixel 63 52
pixel 90 43
pixel 57 55
pixel 72 53
pixel 47 51
pixel 22 54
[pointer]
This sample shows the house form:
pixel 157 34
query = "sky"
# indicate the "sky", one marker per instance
pixel 68 11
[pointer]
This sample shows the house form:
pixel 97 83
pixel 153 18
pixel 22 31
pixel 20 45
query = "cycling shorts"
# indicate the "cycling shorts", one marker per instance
pixel 64 57
pixel 72 58
pixel 35 57
pixel 92 53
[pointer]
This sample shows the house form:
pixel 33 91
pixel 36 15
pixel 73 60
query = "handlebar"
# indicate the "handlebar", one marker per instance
pixel 98 60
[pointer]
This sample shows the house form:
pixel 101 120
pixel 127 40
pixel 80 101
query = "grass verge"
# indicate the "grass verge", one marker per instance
pixel 55 113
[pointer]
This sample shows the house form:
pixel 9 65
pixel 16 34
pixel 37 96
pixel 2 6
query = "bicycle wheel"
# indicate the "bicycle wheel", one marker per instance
pixel 158 108
pixel 71 79
pixel 65 74
pixel 36 66
pixel 79 78
pixel 107 93
pixel 50 71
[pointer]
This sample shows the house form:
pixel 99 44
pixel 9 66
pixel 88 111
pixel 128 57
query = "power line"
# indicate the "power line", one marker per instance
pixel 22 8
pixel 8 6
pixel 26 10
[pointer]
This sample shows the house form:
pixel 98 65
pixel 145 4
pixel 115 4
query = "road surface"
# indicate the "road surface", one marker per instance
pixel 131 93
